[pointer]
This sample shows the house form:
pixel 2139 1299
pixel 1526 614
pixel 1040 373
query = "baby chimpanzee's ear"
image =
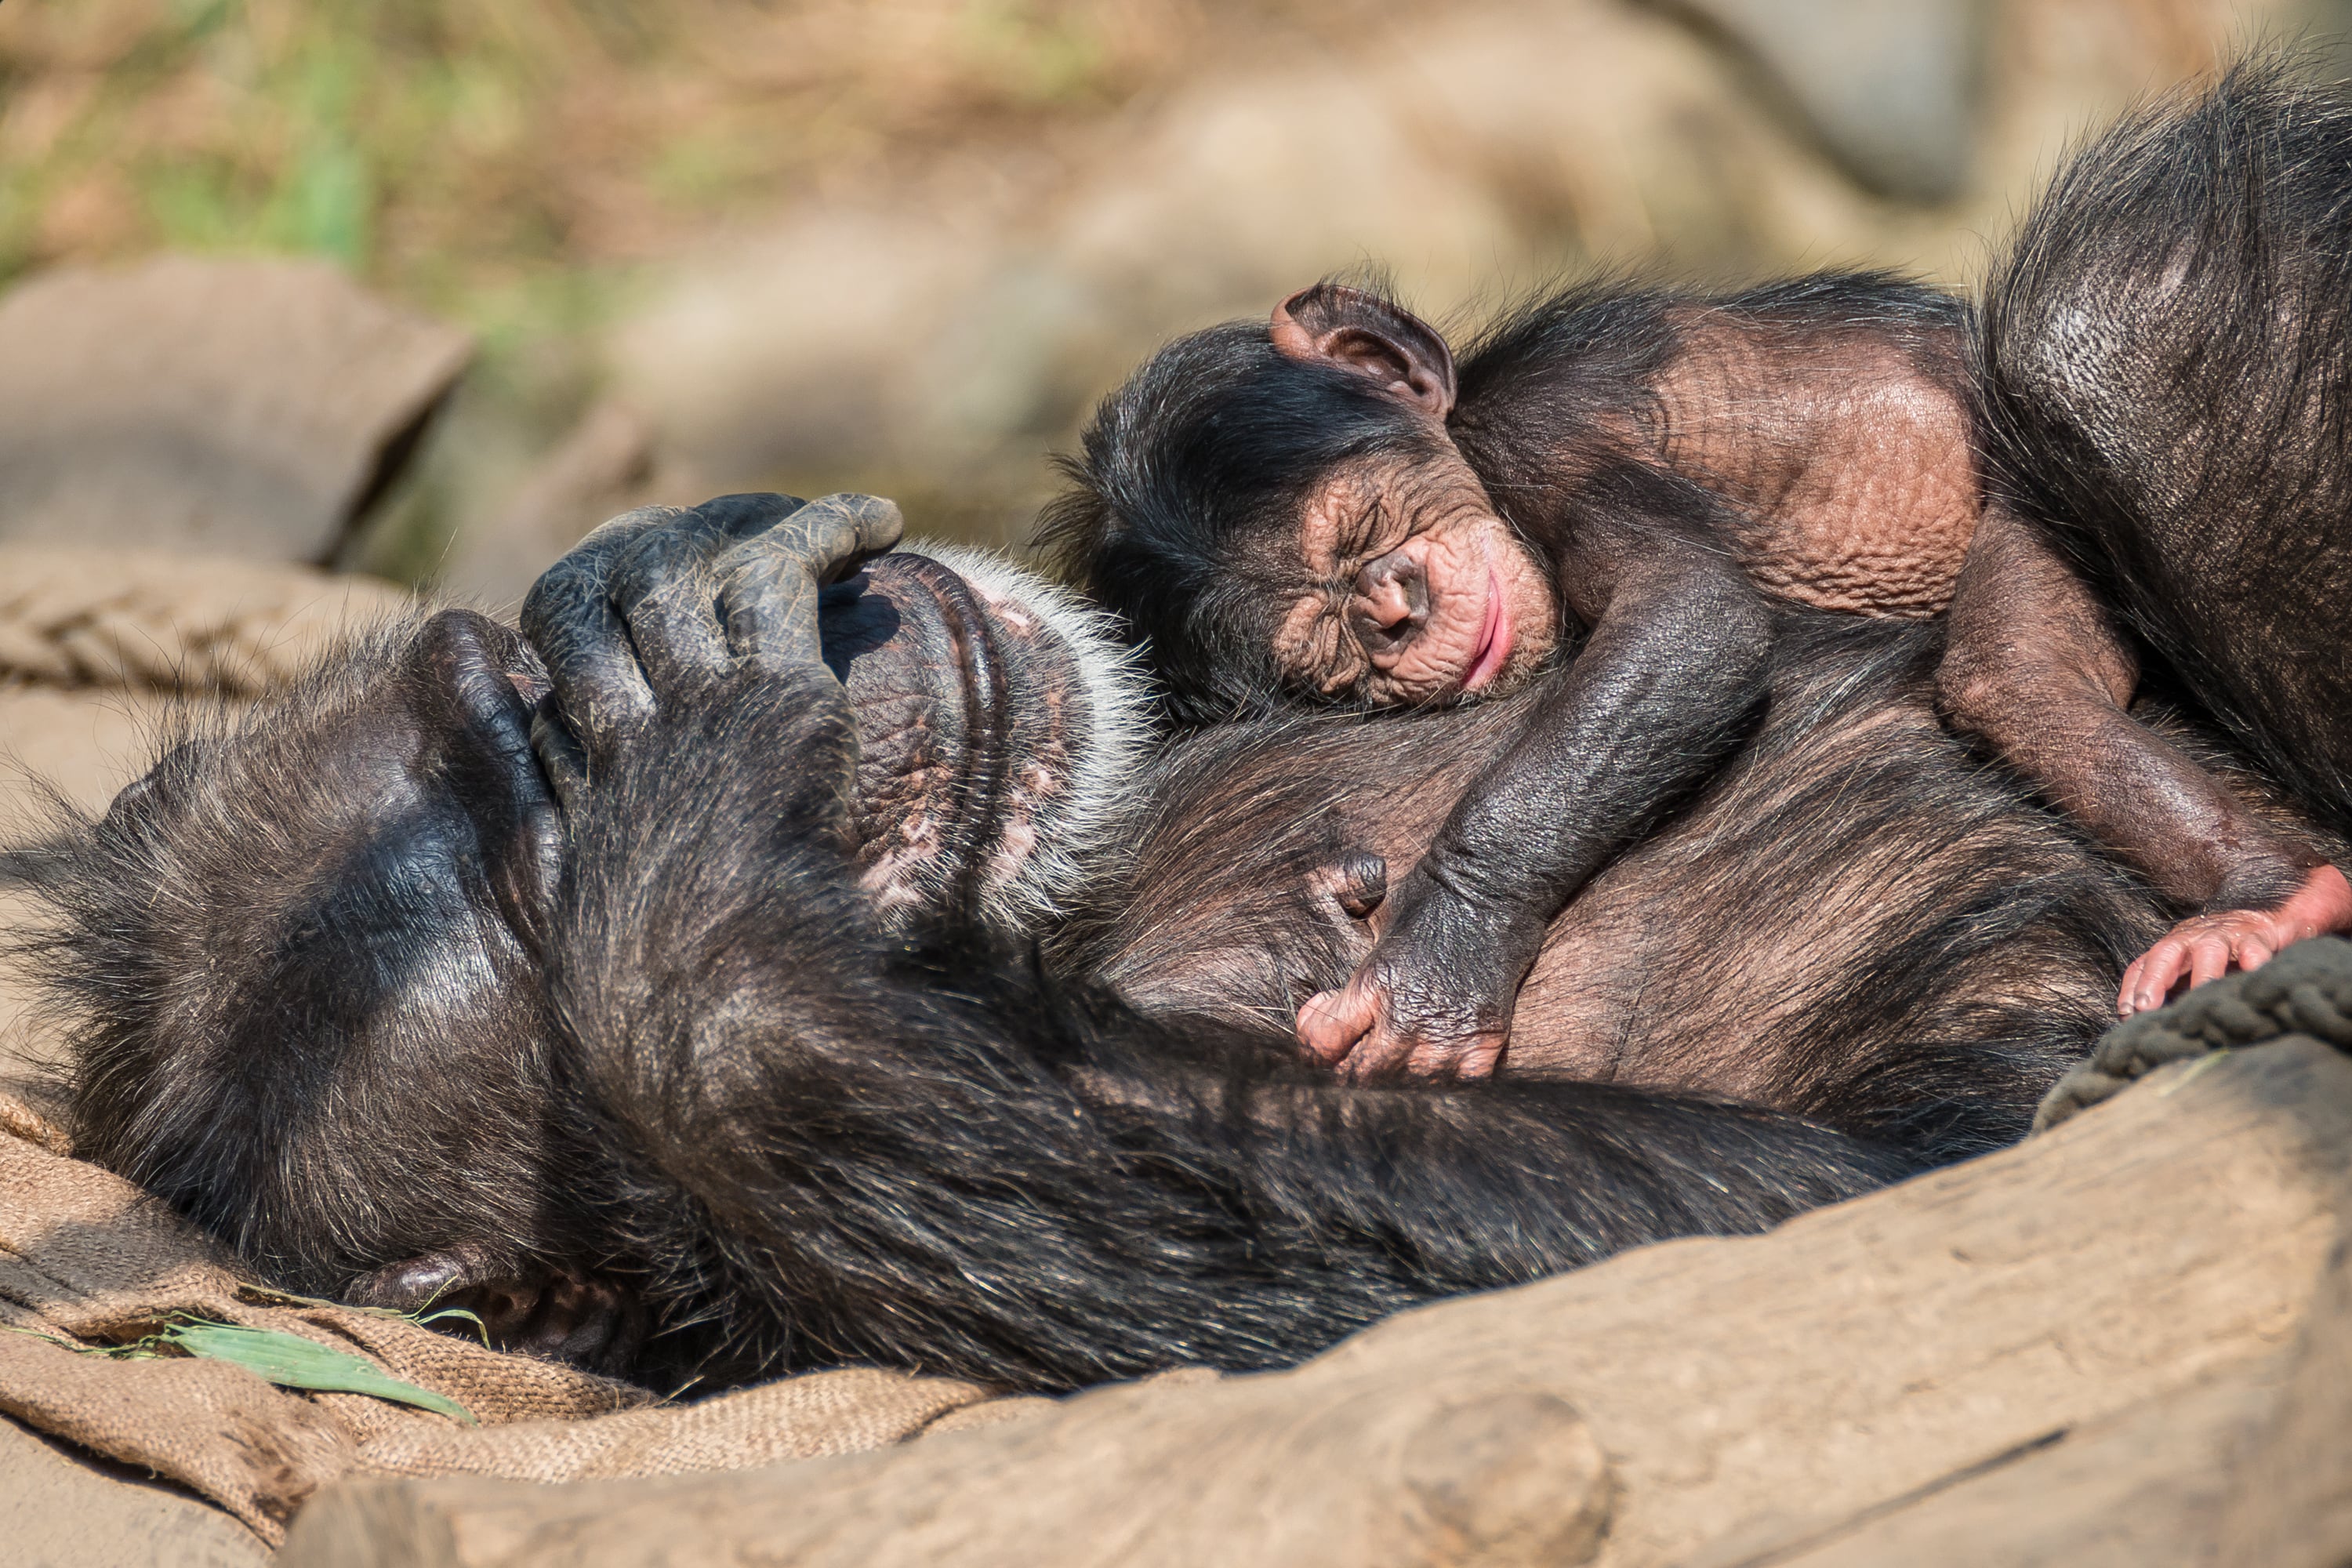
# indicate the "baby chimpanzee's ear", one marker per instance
pixel 1364 333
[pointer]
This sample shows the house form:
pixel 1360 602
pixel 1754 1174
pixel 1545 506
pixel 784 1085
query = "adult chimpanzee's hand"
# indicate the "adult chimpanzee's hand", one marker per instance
pixel 660 603
pixel 1436 995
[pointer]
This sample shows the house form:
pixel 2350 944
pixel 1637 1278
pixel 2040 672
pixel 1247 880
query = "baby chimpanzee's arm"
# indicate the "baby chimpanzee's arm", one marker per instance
pixel 2034 667
pixel 1659 693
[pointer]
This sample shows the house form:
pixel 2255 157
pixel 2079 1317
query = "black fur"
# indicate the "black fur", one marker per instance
pixel 935 1158
pixel 806 1140
pixel 1855 923
pixel 1196 467
pixel 1182 513
pixel 296 1014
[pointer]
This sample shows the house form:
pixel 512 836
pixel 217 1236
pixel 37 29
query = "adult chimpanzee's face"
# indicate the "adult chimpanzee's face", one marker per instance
pixel 382 837
pixel 1419 592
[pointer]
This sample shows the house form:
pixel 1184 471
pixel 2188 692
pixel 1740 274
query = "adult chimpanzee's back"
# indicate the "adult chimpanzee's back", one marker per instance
pixel 2167 356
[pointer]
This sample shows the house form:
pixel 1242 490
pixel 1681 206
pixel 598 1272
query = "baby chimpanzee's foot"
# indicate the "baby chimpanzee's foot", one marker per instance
pixel 591 1321
pixel 2206 947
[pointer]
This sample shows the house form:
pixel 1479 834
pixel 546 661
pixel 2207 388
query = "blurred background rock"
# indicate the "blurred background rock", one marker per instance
pixel 900 245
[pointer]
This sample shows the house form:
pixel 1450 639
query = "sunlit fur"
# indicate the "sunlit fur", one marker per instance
pixel 1857 921
pixel 1113 731
pixel 1185 503
pixel 2168 391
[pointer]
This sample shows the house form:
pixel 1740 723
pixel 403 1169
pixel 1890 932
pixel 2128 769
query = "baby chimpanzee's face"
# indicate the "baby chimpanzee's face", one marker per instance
pixel 1418 591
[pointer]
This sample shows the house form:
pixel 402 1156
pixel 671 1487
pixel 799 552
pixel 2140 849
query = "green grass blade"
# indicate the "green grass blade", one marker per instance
pixel 292 1362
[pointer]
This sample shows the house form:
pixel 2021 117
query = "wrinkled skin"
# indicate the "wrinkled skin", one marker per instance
pixel 1424 595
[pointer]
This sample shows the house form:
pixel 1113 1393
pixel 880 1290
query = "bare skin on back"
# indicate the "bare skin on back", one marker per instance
pixel 1855 473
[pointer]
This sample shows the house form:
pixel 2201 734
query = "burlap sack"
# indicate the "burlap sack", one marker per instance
pixel 144 619
pixel 95 642
pixel 88 1261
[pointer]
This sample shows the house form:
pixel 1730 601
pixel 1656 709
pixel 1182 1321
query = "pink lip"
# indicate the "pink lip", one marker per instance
pixel 1494 650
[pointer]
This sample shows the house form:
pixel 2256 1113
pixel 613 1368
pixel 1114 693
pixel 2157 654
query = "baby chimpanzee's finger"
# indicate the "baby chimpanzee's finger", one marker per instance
pixel 1381 1052
pixel 1331 1022
pixel 769 584
pixel 2208 958
pixel 2149 980
pixel 1474 1055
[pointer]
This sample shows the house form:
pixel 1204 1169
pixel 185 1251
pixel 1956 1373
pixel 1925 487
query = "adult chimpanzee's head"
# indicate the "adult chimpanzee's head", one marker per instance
pixel 1278 508
pixel 356 879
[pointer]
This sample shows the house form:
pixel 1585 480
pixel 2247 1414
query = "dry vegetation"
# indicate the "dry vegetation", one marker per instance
pixel 547 173
pixel 448 150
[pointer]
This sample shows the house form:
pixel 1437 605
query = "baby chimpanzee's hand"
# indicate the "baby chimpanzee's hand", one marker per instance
pixel 1433 1000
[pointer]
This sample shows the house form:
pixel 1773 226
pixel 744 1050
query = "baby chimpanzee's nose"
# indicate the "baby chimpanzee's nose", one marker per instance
pixel 1391 600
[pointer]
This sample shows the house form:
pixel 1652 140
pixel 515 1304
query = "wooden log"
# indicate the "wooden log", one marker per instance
pixel 1822 1390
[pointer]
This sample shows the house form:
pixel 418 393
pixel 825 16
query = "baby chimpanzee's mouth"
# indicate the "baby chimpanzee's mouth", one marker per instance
pixel 1493 647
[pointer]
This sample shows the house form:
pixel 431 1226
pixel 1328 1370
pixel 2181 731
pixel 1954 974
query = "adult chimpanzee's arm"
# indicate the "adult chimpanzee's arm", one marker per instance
pixel 1674 667
pixel 2035 668
pixel 932 1157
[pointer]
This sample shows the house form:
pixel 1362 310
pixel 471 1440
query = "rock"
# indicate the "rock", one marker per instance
pixel 932 343
pixel 602 469
pixel 1986 1363
pixel 1890 90
pixel 253 408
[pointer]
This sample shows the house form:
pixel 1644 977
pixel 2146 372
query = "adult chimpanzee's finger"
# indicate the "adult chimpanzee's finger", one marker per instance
pixel 664 585
pixel 740 516
pixel 768 594
pixel 570 618
pixel 666 589
pixel 559 754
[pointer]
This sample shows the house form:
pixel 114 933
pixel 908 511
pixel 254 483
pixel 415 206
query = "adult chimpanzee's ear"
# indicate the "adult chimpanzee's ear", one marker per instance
pixel 1364 333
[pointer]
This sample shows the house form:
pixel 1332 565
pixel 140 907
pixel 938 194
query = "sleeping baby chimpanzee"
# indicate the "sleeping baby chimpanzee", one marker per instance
pixel 1324 508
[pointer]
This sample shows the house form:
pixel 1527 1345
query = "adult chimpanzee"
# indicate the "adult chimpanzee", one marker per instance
pixel 390 1008
pixel 704 994
pixel 1324 507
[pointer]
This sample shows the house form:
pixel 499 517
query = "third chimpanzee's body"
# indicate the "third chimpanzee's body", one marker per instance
pixel 1325 507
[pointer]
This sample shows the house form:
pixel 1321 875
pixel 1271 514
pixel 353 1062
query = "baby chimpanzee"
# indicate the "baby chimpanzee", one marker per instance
pixel 1323 509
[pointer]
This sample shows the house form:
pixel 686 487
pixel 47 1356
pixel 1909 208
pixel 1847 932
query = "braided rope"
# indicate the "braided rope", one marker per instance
pixel 155 621
pixel 2305 990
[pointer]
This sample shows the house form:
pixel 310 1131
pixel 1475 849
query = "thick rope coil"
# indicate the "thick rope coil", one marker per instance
pixel 2305 990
